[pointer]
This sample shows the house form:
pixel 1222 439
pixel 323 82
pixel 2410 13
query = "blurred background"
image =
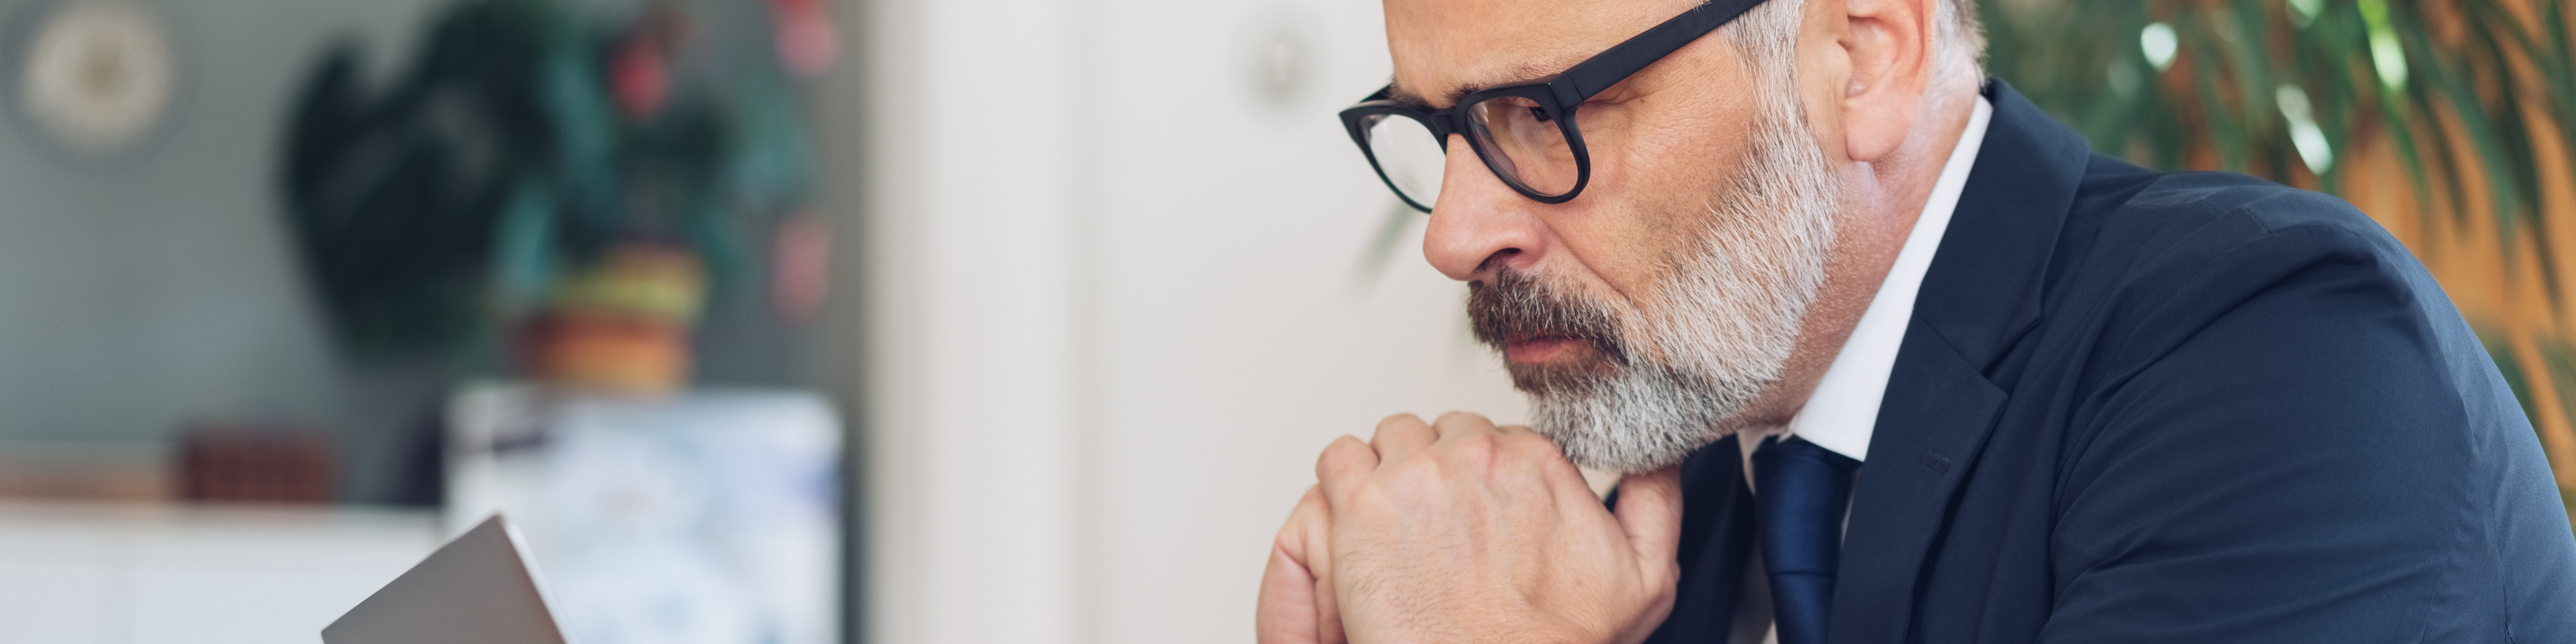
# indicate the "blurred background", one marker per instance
pixel 803 321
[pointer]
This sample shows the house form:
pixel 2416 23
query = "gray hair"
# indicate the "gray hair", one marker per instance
pixel 1769 32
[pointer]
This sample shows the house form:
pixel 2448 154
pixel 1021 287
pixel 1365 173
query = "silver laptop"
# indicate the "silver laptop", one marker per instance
pixel 480 588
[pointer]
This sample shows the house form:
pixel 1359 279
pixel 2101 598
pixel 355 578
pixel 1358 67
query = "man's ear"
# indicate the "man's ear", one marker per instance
pixel 1889 45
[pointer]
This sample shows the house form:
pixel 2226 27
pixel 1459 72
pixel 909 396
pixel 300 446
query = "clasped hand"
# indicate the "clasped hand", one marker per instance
pixel 1462 532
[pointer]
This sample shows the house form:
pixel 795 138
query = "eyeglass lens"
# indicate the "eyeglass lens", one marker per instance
pixel 1524 144
pixel 1411 157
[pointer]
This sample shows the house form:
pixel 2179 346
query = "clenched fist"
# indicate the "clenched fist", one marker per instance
pixel 1461 531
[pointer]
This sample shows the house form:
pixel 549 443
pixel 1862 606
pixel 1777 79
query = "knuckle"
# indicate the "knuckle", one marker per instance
pixel 1479 452
pixel 1396 432
pixel 1399 421
pixel 1341 449
pixel 1290 539
pixel 1343 453
pixel 1457 420
pixel 1664 585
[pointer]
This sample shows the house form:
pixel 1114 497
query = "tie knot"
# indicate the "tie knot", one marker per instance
pixel 1793 448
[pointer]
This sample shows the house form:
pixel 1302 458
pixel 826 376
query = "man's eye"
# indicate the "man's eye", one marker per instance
pixel 1539 115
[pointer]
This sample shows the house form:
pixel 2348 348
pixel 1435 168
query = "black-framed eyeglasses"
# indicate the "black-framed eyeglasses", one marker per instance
pixel 1525 131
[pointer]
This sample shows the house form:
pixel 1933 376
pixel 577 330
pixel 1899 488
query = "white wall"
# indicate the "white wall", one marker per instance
pixel 1115 307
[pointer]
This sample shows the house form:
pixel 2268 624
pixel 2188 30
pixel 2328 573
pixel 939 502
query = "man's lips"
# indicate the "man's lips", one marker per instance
pixel 1543 348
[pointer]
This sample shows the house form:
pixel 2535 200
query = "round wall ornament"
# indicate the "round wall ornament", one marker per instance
pixel 96 78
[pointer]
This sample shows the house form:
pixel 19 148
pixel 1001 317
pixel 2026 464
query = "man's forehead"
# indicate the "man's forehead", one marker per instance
pixel 1444 49
pixel 1451 89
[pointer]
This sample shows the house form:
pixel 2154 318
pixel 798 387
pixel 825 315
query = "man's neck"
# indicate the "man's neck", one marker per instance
pixel 1881 211
pixel 1916 169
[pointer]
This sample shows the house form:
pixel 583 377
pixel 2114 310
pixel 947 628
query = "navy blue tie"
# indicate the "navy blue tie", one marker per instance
pixel 1799 492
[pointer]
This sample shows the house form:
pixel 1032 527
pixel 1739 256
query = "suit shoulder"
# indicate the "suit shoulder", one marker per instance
pixel 2149 259
pixel 2141 223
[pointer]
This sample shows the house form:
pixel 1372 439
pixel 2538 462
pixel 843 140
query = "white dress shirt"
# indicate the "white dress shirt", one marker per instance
pixel 1843 411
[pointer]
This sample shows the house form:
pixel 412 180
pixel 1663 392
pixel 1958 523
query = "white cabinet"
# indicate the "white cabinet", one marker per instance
pixel 83 574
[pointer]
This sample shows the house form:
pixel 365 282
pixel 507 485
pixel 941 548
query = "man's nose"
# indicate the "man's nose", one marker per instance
pixel 1478 224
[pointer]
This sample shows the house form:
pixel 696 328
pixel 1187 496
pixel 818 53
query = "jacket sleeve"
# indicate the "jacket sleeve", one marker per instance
pixel 2295 438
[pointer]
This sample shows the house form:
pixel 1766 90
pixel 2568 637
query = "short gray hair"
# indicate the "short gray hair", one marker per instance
pixel 1769 32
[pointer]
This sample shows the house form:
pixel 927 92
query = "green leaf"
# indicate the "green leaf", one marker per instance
pixel 2400 132
pixel 2513 134
pixel 2244 43
pixel 2450 83
pixel 2228 136
pixel 2455 184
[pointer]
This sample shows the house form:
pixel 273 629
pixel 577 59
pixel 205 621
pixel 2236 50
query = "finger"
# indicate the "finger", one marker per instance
pixel 1307 537
pixel 1650 512
pixel 1291 605
pixel 1536 450
pixel 1401 435
pixel 1462 425
pixel 1343 466
pixel 1286 614
pixel 1328 611
pixel 1315 516
pixel 1479 448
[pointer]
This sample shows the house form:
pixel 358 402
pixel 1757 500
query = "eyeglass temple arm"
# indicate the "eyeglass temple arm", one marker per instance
pixel 1626 58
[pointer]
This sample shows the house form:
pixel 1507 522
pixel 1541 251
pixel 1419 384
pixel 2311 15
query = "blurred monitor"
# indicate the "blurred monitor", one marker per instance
pixel 707 517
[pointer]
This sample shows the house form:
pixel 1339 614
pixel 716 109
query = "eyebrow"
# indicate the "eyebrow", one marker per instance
pixel 1520 73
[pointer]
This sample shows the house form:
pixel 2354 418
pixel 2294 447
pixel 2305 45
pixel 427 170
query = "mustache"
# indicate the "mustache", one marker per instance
pixel 1516 306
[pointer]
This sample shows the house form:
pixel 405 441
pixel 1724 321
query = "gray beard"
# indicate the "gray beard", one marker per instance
pixel 1722 322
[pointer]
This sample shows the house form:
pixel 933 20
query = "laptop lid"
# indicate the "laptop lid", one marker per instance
pixel 480 588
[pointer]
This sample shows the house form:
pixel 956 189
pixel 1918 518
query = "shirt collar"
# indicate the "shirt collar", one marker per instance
pixel 1843 411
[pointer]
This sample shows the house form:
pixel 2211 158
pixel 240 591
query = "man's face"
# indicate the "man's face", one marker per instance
pixel 1646 314
pixel 1659 142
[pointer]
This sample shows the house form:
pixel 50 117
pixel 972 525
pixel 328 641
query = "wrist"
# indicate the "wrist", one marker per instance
pixel 1481 630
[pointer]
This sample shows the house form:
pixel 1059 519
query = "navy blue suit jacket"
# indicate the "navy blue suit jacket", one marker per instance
pixel 2171 407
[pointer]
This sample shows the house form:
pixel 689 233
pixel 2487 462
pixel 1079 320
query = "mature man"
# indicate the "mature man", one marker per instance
pixel 1889 356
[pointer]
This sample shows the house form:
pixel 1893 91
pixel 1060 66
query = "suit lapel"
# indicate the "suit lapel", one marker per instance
pixel 1980 294
pixel 1717 532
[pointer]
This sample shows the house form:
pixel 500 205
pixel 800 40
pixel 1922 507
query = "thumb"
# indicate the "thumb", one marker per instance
pixel 1650 512
pixel 1287 607
pixel 1297 604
